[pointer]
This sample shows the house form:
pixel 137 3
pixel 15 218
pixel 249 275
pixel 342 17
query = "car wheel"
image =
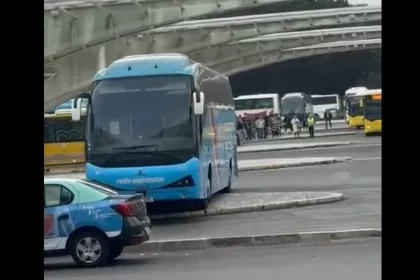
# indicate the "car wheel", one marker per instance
pixel 115 251
pixel 89 249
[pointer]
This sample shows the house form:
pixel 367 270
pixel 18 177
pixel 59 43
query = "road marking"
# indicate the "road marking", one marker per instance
pixel 365 159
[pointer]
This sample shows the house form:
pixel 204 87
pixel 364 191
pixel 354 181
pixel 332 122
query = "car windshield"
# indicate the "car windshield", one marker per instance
pixel 98 187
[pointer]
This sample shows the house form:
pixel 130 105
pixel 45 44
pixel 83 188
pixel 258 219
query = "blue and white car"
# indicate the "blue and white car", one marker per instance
pixel 91 222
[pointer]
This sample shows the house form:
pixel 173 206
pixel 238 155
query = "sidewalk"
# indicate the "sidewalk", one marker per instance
pixel 285 147
pixel 233 203
pixel 303 135
pixel 277 163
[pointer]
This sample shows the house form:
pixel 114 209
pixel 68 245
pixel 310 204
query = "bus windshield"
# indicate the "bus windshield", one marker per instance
pixel 252 104
pixel 140 121
pixel 373 110
pixel 354 106
pixel 293 106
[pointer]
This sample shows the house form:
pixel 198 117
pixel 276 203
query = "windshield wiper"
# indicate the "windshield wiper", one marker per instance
pixel 135 147
pixel 124 151
pixel 153 153
pixel 159 154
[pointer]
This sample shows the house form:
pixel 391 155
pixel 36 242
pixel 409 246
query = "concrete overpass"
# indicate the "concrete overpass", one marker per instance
pixel 75 72
pixel 240 64
pixel 281 41
pixel 192 36
pixel 73 25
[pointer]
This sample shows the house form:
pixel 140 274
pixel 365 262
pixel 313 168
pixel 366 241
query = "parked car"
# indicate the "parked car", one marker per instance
pixel 91 222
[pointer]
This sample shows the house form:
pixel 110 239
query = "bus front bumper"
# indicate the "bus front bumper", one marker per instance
pixel 373 127
pixel 356 122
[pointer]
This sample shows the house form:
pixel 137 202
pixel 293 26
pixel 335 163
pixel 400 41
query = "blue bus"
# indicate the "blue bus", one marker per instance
pixel 161 125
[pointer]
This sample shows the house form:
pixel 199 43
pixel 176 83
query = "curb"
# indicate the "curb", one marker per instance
pixel 303 147
pixel 304 137
pixel 253 240
pixel 334 197
pixel 296 164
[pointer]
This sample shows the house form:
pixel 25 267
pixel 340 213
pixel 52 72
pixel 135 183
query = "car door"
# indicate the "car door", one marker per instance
pixel 60 205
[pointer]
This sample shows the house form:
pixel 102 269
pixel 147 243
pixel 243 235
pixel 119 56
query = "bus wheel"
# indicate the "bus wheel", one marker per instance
pixel 204 203
pixel 358 127
pixel 228 189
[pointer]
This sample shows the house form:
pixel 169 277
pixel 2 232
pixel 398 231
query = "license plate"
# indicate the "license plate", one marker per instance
pixel 148 230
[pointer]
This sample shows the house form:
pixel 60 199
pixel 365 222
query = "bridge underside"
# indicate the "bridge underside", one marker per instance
pixel 240 64
pixel 73 73
pixel 71 26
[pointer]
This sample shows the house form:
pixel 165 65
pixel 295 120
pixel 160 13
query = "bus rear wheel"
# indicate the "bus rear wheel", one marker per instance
pixel 228 189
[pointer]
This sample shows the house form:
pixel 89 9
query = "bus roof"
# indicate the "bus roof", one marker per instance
pixel 149 65
pixel 294 94
pixel 320 95
pixel 256 96
pixel 374 91
pixel 355 90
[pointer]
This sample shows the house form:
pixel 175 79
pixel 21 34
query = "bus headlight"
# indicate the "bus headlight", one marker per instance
pixel 181 183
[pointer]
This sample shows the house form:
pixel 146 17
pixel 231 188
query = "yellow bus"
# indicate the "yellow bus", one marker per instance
pixel 373 112
pixel 63 140
pixel 354 106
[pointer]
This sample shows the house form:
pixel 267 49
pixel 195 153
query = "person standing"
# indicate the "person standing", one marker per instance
pixel 296 126
pixel 327 118
pixel 260 125
pixel 267 126
pixel 311 125
pixel 275 124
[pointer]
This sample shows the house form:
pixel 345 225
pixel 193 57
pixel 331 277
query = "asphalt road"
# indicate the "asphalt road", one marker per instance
pixel 359 179
pixel 348 261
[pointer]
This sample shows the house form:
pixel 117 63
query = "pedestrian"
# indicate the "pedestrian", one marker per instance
pixel 240 127
pixel 311 125
pixel 267 126
pixel 260 125
pixel 248 128
pixel 288 124
pixel 296 126
pixel 275 124
pixel 278 118
pixel 304 121
pixel 327 119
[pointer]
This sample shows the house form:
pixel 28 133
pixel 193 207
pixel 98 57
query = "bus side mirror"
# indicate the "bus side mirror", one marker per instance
pixel 76 110
pixel 198 98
